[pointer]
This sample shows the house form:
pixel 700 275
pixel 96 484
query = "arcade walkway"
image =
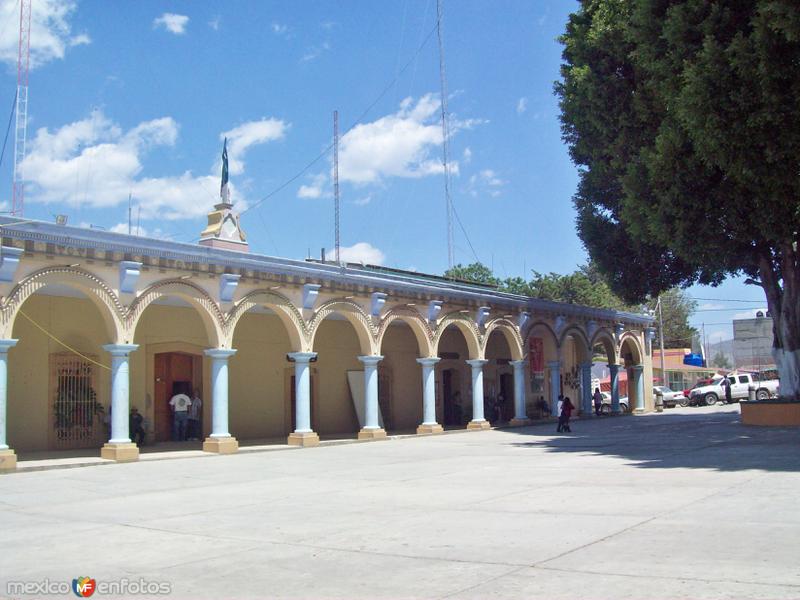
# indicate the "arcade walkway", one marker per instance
pixel 683 504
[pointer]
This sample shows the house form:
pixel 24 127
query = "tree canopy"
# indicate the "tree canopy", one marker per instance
pixel 586 286
pixel 684 120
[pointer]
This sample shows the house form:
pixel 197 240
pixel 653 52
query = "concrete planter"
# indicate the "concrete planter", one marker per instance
pixel 771 413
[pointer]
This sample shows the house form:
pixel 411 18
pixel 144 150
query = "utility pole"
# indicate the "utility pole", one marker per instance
pixel 336 179
pixel 21 131
pixel 445 138
pixel 661 340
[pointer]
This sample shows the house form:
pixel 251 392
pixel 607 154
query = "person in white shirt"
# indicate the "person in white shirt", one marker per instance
pixel 180 404
pixel 195 410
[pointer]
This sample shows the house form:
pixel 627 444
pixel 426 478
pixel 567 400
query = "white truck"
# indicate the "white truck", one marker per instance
pixel 740 383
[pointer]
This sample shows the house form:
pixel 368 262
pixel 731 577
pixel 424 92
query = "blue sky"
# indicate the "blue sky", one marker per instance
pixel 135 98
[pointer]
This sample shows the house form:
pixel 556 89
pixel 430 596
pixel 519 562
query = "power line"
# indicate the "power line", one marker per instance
pixel 319 156
pixel 723 300
pixel 8 127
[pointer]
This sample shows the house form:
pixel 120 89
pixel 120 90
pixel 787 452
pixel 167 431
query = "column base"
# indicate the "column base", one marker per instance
pixel 304 440
pixel 226 445
pixel 372 434
pixel 8 461
pixel 638 411
pixel 429 429
pixel 515 422
pixel 478 425
pixel 120 452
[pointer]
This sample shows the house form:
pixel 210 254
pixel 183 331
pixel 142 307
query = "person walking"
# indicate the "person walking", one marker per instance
pixel 180 404
pixel 598 401
pixel 195 412
pixel 727 384
pixel 566 413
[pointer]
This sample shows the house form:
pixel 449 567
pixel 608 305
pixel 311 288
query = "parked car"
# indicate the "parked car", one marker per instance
pixel 605 407
pixel 740 383
pixel 671 398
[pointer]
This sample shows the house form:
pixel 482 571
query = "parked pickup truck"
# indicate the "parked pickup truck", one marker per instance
pixel 740 384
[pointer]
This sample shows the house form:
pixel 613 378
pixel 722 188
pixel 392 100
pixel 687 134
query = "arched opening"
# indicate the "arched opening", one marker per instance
pixel 173 330
pixel 261 379
pixel 542 350
pixel 337 378
pixel 631 362
pixel 498 378
pixel 59 384
pixel 604 356
pixel 400 377
pixel 455 344
pixel 575 353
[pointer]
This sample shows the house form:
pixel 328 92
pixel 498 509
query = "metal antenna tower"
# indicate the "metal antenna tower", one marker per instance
pixel 445 137
pixel 336 177
pixel 23 66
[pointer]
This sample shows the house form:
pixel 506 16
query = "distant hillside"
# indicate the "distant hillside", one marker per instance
pixel 725 346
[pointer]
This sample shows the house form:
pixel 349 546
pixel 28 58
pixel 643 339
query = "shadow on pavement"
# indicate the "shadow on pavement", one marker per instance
pixel 714 439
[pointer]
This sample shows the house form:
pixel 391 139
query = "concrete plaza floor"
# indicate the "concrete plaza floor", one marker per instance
pixel 684 504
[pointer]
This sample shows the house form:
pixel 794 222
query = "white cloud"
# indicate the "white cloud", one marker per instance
pixel 172 22
pixel 522 105
pixel 51 31
pixel 214 23
pixel 485 182
pixel 467 155
pixel 279 28
pixel 314 52
pixel 251 133
pixel 363 201
pixel 711 306
pixel 402 144
pixel 358 253
pixel 314 189
pixel 94 163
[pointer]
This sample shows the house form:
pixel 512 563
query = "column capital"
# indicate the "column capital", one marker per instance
pixel 638 368
pixel 518 364
pixel 302 357
pixel 554 364
pixel 220 352
pixel 429 361
pixel 370 361
pixel 6 345
pixel 477 363
pixel 120 349
pixel 613 367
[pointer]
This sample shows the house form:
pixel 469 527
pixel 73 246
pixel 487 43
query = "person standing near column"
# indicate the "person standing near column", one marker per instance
pixel 195 412
pixel 598 401
pixel 180 404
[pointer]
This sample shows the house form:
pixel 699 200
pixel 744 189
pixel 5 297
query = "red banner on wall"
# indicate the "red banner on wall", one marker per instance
pixel 536 354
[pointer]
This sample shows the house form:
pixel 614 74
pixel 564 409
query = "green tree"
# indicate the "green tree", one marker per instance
pixel 683 118
pixel 476 273
pixel 721 361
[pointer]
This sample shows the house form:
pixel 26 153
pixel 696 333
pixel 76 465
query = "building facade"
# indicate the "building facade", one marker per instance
pixel 95 323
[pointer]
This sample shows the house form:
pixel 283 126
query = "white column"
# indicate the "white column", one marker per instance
pixel 520 413
pixel 429 424
pixel 303 434
pixel 372 428
pixel 5 346
pixel 614 376
pixel 555 386
pixel 220 439
pixel 638 383
pixel 478 420
pixel 120 447
pixel 586 390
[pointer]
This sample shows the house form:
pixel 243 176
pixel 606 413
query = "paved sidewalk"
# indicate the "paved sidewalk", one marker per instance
pixel 684 504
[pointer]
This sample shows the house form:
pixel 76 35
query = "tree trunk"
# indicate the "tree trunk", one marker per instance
pixel 780 280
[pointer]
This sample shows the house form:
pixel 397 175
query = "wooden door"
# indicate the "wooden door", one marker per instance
pixel 170 367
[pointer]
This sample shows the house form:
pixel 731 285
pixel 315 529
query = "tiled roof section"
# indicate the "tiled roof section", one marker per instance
pixel 379 277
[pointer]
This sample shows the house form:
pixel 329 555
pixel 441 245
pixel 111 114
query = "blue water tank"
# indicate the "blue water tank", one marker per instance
pixel 695 360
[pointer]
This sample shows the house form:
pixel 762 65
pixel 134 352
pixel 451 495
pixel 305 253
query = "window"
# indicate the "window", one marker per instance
pixel 78 419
